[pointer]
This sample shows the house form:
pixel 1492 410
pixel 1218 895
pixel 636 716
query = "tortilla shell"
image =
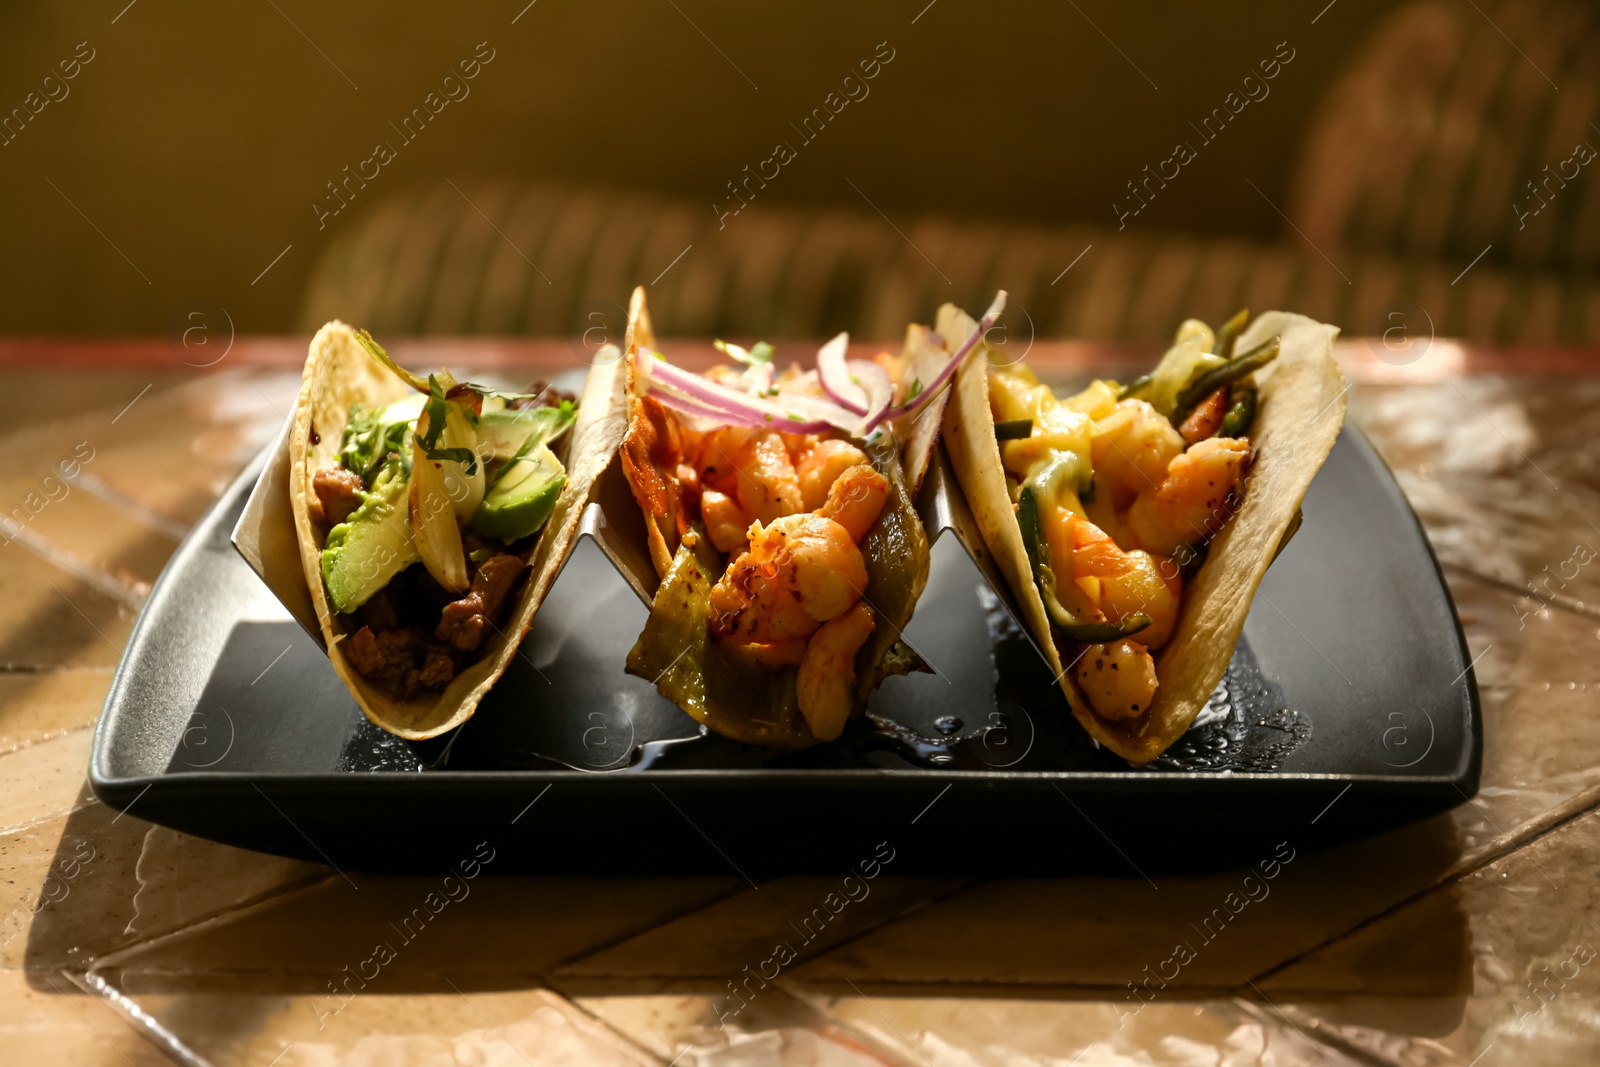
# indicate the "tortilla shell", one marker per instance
pixel 1301 398
pixel 339 372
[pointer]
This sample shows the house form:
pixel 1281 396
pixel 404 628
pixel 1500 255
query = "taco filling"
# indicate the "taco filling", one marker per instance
pixel 779 508
pixel 429 521
pixel 1112 510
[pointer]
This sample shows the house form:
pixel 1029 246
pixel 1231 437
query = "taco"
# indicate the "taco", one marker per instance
pixel 431 518
pixel 1133 523
pixel 780 512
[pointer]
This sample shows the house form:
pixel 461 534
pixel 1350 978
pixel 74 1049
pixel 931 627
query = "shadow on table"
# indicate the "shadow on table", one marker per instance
pixel 162 915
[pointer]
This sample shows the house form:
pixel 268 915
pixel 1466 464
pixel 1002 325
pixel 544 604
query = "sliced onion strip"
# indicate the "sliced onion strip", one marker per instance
pixel 815 414
pixel 931 390
pixel 834 375
pixel 875 382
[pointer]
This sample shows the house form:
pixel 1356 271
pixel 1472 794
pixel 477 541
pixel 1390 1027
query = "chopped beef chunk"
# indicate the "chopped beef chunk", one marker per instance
pixel 543 396
pixel 437 668
pixel 399 660
pixel 338 493
pixel 384 657
pixel 462 623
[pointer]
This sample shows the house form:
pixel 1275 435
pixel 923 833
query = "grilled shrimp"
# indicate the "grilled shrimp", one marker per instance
pixel 799 571
pixel 1131 449
pixel 827 677
pixel 1113 582
pixel 768 487
pixel 714 457
pixel 820 466
pixel 1147 585
pixel 726 522
pixel 1118 677
pixel 855 499
pixel 1192 501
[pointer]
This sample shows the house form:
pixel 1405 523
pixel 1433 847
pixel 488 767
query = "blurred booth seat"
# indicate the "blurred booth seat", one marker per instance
pixel 1433 192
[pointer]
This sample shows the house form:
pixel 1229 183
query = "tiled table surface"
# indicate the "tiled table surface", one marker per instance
pixel 1470 938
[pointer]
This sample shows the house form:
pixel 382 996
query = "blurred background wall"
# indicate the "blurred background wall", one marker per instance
pixel 1347 160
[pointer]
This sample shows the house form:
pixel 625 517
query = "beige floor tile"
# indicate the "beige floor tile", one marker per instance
pixel 1539 681
pixel 807 916
pixel 54 394
pixel 34 706
pixel 89 531
pixel 76 887
pixel 995 1031
pixel 50 618
pixel 44 779
pixel 1502 475
pixel 174 453
pixel 165 454
pixel 67 887
pixel 1503 964
pixel 692 1024
pixel 483 932
pixel 45 1019
pixel 501 1028
pixel 1478 425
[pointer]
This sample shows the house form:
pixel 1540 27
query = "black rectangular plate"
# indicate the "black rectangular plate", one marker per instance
pixel 1350 707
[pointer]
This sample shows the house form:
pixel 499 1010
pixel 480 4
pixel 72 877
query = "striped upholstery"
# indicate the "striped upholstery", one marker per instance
pixel 1409 173
pixel 1441 125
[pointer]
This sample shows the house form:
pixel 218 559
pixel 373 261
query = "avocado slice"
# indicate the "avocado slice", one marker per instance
pixel 522 496
pixel 508 432
pixel 373 545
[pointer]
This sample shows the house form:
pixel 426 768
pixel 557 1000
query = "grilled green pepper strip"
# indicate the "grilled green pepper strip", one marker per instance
pixel 1215 378
pixel 1230 333
pixel 1134 386
pixel 1236 423
pixel 1015 430
pixel 1064 621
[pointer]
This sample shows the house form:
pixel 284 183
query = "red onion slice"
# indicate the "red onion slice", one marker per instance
pixel 931 389
pixel 833 373
pixel 874 380
pixel 737 407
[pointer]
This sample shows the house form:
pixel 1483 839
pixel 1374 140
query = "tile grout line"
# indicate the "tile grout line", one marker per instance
pixel 1272 1014
pixel 115 959
pixel 604 1024
pixel 56 736
pixel 88 1021
pixel 140 1021
pixel 561 967
pixel 891 920
pixel 876 1047
pixel 559 970
pixel 1509 847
